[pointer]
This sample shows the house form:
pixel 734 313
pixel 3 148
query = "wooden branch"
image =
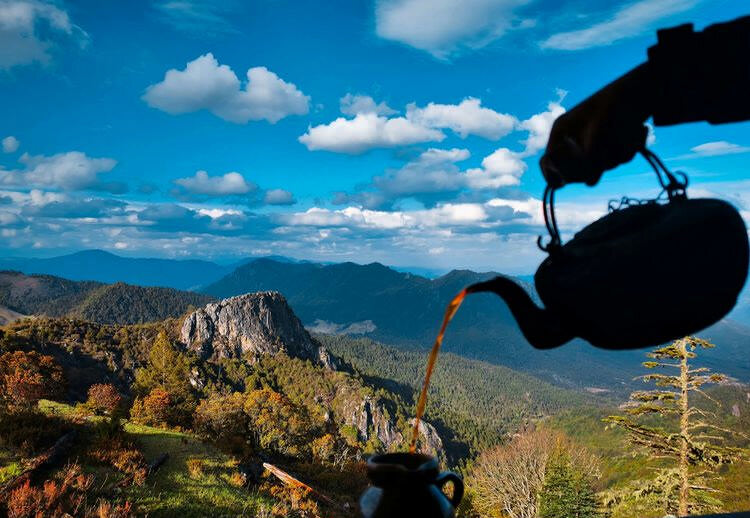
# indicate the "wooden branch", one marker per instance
pixel 289 480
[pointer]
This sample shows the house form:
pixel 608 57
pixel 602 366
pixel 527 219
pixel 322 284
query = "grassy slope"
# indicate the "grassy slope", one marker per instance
pixel 171 491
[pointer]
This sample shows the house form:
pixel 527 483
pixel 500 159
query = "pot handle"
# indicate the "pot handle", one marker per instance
pixel 458 486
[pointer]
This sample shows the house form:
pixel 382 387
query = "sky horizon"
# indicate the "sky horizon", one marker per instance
pixel 405 132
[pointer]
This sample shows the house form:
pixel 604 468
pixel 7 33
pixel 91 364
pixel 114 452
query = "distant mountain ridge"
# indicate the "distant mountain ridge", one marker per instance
pixel 101 266
pixel 403 309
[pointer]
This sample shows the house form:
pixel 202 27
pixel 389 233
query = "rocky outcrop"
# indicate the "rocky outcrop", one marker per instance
pixel 429 440
pixel 254 324
pixel 371 420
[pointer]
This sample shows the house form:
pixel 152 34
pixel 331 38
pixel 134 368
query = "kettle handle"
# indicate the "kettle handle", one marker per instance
pixel 458 486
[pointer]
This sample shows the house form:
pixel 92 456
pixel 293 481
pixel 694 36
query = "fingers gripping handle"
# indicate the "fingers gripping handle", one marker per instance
pixel 458 486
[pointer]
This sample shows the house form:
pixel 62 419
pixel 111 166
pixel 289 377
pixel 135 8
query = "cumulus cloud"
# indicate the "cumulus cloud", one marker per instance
pixel 367 131
pixel 466 118
pixel 279 197
pixel 352 104
pixel 501 168
pixel 224 185
pixel 627 22
pixel 75 208
pixel 371 128
pixel 10 144
pixel 540 125
pixel 204 84
pixel 444 27
pixel 69 171
pixel 28 30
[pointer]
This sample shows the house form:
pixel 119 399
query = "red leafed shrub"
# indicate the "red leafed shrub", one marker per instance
pixel 103 398
pixel 25 378
pixel 120 453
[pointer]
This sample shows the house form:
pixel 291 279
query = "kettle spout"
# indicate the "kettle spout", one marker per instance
pixel 542 329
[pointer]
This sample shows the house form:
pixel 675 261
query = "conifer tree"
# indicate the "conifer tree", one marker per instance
pixel 695 443
pixel 566 491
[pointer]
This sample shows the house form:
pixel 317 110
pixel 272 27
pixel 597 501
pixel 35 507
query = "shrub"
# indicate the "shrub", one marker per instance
pixel 223 419
pixel 195 468
pixel 103 399
pixel 64 496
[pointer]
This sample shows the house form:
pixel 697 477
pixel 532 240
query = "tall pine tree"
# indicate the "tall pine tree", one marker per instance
pixel 694 443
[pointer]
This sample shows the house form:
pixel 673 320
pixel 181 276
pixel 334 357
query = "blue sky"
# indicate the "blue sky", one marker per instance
pixel 401 131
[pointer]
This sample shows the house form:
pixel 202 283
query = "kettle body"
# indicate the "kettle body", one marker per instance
pixel 637 277
pixel 408 485
pixel 648 273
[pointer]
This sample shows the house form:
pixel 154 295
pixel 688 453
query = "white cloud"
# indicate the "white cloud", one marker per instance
pixel 629 21
pixel 279 197
pixel 206 85
pixel 466 118
pixel 444 27
pixel 223 185
pixel 10 144
pixel 721 147
pixel 540 125
pixel 433 171
pixel 502 168
pixel 67 171
pixel 367 131
pixel 352 104
pixel 28 29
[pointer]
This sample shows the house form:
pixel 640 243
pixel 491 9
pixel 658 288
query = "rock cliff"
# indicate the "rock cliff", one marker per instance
pixel 253 324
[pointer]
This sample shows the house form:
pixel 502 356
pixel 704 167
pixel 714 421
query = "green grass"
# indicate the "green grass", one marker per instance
pixel 172 491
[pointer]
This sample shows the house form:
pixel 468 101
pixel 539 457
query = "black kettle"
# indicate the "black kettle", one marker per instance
pixel 409 485
pixel 640 276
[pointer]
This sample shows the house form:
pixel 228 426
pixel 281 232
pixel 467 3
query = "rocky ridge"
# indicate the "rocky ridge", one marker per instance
pixel 250 325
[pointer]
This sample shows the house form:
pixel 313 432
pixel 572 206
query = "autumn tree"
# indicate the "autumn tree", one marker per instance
pixel 276 423
pixel 103 399
pixel 695 442
pixel 25 378
pixel 506 480
pixel 155 408
pixel 169 371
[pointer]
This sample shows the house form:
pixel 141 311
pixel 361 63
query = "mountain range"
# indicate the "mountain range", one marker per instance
pixel 394 307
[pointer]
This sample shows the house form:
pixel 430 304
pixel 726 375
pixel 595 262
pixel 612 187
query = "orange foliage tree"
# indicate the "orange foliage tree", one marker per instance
pixel 25 378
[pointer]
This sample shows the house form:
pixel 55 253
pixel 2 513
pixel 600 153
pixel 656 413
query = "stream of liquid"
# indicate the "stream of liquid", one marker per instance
pixel 449 312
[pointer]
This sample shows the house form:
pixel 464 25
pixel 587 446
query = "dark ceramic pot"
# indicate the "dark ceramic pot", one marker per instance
pixel 409 485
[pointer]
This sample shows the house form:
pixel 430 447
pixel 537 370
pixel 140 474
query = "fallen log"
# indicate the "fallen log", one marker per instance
pixel 47 459
pixel 289 480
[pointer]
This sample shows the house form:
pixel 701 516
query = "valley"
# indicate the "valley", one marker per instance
pixel 311 368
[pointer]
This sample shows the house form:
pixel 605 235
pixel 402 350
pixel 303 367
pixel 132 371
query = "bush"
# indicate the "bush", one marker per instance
pixel 103 399
pixel 155 409
pixel 120 453
pixel 223 420
pixel 66 495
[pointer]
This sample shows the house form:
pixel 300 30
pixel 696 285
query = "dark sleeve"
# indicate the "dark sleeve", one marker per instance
pixel 701 76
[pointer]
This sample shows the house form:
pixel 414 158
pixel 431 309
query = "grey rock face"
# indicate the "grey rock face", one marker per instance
pixel 255 324
pixel 370 418
pixel 429 440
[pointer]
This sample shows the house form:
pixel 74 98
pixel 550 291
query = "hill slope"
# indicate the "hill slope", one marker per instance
pixel 114 303
pixel 404 310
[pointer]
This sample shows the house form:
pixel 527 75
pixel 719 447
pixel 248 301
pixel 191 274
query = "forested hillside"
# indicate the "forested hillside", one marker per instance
pixel 477 404
pixel 120 303
pixel 404 310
